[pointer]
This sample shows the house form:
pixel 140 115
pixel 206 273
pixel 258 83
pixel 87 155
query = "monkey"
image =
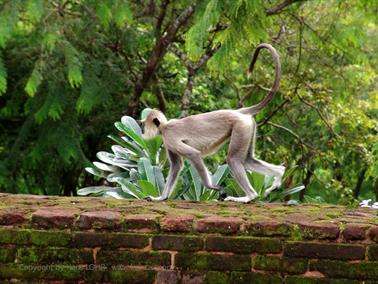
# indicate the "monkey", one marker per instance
pixel 197 136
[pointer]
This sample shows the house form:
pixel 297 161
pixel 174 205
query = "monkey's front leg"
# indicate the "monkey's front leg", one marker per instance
pixel 174 170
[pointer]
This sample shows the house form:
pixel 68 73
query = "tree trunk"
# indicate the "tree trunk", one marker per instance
pixel 360 180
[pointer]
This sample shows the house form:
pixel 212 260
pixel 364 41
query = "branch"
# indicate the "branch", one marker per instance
pixel 320 115
pixel 160 19
pixel 273 113
pixel 278 9
pixel 157 54
pixel 292 133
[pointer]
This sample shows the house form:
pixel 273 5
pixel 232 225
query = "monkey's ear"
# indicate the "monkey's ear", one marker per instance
pixel 156 122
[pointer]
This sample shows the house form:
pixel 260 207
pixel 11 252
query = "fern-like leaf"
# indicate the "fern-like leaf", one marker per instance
pixel 122 13
pixel 34 81
pixel 3 77
pixel 104 13
pixel 34 10
pixel 74 65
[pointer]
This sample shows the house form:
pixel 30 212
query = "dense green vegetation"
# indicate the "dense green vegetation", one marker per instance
pixel 70 68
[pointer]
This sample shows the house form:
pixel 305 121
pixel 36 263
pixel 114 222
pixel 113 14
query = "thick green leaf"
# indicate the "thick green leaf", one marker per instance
pixel 293 190
pixel 145 167
pixel 145 113
pixel 148 188
pixel 93 190
pixel 95 172
pixel 130 122
pixel 131 134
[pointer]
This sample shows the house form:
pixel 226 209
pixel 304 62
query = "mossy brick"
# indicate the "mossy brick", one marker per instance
pixel 294 279
pixel 39 272
pixel 373 233
pixel 364 270
pixel 53 255
pixel 109 240
pixel 99 220
pixel 192 277
pixel 280 264
pixel 168 277
pixel 177 224
pixel 141 223
pixel 207 261
pixel 243 244
pixel 217 277
pixel 127 257
pixel 60 218
pixel 14 236
pixel 267 228
pixel 310 230
pixel 34 237
pixel 255 278
pixel 7 254
pixel 373 252
pixel 50 238
pixel 323 250
pixel 179 243
pixel 222 225
pixel 12 217
pixel 131 276
pixel 353 232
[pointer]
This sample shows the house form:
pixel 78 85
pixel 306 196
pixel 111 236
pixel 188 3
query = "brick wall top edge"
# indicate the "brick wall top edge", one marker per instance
pixel 307 221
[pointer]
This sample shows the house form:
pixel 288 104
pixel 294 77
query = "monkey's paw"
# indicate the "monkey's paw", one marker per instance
pixel 244 199
pixel 151 198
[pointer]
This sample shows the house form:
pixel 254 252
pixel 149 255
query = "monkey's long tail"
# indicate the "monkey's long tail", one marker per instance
pixel 258 107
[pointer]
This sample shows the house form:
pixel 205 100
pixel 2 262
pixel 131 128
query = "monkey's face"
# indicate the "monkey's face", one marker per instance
pixel 152 123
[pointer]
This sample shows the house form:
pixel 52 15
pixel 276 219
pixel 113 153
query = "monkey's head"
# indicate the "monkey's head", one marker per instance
pixel 152 122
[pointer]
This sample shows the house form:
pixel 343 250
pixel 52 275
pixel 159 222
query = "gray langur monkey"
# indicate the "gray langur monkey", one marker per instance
pixel 200 135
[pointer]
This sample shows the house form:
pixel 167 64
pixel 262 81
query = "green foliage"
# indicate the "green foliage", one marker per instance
pixel 68 70
pixel 3 77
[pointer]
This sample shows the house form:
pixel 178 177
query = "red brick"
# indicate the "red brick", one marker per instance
pixel 243 244
pixel 354 232
pixel 179 224
pixel 179 243
pixel 223 225
pixel 12 217
pixel 141 223
pixel 311 230
pixel 321 250
pixel 99 220
pixel 168 277
pixel 374 233
pixel 55 217
pixel 192 278
pixel 268 228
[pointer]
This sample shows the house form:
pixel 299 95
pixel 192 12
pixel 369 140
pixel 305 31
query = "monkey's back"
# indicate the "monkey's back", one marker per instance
pixel 205 132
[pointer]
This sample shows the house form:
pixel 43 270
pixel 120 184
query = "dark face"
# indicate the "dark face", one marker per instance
pixel 151 124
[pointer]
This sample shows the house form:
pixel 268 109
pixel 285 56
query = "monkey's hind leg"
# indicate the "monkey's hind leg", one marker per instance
pixel 237 153
pixel 262 167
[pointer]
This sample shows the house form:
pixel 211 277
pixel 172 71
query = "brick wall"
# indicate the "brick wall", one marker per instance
pixel 70 240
